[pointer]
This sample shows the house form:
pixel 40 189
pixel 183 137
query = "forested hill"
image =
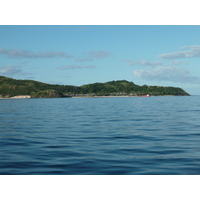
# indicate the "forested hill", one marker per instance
pixel 11 87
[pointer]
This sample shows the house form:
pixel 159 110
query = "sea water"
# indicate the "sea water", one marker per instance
pixel 100 136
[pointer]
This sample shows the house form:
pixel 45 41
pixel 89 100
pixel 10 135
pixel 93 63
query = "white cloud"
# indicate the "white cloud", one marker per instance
pixel 98 54
pixel 194 51
pixel 9 70
pixel 28 54
pixel 67 67
pixel 92 55
pixel 84 59
pixel 169 73
pixel 188 47
pixel 144 63
pixel 177 62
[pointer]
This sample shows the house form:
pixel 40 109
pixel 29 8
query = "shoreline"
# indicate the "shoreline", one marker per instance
pixel 127 96
pixel 96 97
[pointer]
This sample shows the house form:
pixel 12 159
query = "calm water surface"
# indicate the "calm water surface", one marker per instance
pixel 122 135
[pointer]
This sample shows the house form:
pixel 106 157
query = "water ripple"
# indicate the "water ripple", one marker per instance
pixel 158 135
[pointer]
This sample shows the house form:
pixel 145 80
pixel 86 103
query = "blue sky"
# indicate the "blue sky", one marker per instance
pixel 78 55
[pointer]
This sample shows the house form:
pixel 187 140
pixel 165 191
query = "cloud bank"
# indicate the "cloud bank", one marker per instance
pixel 194 51
pixel 169 73
pixel 28 54
pixel 144 63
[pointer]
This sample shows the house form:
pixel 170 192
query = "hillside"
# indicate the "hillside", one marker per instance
pixel 11 87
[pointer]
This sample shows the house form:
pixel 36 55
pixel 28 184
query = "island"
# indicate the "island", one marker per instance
pixel 13 88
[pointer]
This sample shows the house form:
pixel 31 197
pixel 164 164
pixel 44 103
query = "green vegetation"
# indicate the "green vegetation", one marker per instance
pixel 129 88
pixel 46 94
pixel 11 87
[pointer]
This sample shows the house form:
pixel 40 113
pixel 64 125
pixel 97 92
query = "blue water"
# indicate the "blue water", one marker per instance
pixel 121 135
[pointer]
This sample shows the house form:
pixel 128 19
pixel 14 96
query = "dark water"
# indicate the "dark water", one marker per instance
pixel 136 135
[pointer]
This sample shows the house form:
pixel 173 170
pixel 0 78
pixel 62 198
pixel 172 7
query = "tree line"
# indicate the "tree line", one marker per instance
pixel 11 87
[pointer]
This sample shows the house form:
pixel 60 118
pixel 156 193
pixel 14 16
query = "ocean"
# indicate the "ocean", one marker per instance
pixel 100 136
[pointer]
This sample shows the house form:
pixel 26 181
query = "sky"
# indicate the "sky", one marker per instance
pixel 163 55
